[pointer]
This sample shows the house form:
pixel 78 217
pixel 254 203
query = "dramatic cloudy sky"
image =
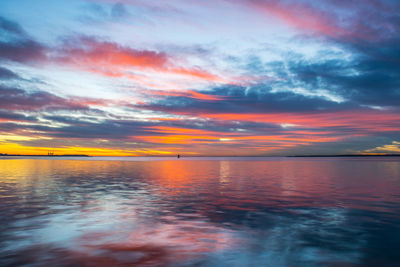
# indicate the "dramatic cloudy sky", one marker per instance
pixel 199 77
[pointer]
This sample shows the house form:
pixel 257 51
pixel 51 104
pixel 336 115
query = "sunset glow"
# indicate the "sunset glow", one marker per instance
pixel 197 78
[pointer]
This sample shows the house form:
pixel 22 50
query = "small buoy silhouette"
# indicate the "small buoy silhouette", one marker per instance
pixel 178 156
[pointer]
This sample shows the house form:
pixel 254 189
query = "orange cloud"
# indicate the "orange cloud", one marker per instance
pixel 113 60
pixel 184 93
pixel 371 121
pixel 176 135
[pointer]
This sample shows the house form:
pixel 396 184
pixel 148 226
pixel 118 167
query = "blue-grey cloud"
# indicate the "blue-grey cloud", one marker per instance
pixel 17 45
pixel 7 74
pixel 254 99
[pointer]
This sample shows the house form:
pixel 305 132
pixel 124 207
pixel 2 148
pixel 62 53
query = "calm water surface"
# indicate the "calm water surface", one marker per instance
pixel 200 212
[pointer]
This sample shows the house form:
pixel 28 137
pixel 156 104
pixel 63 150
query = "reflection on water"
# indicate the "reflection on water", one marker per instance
pixel 200 212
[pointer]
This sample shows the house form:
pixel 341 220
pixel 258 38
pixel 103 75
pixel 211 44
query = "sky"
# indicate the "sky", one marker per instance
pixel 200 77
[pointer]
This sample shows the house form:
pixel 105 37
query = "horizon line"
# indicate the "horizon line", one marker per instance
pixel 197 156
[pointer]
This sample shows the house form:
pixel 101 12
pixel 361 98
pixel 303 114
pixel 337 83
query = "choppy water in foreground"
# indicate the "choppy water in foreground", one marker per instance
pixel 200 212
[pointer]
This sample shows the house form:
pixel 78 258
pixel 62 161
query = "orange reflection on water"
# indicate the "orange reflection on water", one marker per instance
pixel 25 171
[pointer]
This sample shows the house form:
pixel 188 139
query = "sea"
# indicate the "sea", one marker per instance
pixel 205 211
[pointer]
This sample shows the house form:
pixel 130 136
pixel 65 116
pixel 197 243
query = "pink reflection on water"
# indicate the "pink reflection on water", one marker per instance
pixel 168 241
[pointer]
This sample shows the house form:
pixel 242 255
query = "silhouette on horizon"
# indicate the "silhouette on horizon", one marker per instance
pixel 178 156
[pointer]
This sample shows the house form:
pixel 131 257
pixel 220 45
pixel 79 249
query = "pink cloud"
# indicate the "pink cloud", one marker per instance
pixel 301 16
pixel 114 60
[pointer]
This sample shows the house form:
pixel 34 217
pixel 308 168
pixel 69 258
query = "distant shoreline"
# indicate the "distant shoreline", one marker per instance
pixel 292 156
pixel 15 155
pixel 335 156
